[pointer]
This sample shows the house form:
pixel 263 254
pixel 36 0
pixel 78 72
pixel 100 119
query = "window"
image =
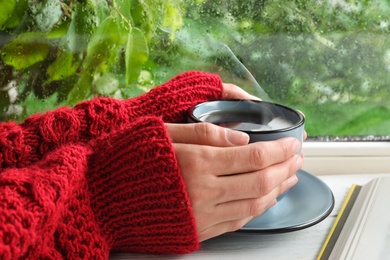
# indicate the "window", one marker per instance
pixel 327 58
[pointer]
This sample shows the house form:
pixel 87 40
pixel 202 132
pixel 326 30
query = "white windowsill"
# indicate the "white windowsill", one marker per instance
pixel 328 158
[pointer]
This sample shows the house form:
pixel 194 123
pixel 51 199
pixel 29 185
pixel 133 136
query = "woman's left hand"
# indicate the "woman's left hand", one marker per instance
pixel 231 91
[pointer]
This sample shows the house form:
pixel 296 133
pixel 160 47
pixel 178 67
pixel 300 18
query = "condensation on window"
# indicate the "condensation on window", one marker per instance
pixel 329 59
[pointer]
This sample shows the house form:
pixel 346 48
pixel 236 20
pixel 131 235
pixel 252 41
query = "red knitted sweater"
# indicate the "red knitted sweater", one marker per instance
pixel 79 183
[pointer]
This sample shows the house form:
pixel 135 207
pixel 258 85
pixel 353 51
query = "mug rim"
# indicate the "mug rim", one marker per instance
pixel 300 115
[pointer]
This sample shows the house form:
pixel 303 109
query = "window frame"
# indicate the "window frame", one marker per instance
pixel 334 158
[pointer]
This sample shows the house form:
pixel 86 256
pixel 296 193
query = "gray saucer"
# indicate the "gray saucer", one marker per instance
pixel 307 203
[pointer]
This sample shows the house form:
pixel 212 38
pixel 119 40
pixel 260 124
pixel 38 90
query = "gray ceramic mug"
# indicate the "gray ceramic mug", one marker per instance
pixel 262 121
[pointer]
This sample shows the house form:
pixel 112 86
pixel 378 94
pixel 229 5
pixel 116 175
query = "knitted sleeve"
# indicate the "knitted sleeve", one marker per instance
pixel 26 143
pixel 122 192
pixel 147 208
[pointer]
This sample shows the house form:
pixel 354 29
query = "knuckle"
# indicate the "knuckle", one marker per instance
pixel 236 225
pixel 285 149
pixel 264 183
pixel 257 155
pixel 255 207
pixel 204 131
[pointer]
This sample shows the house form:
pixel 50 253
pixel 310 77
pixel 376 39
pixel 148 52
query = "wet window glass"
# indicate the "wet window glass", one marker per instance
pixel 327 58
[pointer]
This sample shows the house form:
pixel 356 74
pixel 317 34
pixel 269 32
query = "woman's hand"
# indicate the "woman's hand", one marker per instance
pixel 229 181
pixel 231 91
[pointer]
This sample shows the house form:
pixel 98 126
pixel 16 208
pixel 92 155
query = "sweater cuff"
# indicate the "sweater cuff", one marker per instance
pixel 172 99
pixel 137 192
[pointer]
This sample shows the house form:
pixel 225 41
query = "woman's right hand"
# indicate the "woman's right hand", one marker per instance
pixel 229 181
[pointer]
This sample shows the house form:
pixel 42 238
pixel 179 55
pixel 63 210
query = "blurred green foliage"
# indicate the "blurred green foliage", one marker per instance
pixel 330 59
pixel 63 52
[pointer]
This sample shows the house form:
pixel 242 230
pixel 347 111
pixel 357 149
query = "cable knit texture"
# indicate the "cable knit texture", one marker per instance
pixel 78 183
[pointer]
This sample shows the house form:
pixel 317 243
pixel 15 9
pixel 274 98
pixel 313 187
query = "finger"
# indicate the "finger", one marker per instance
pixel 222 228
pixel 231 91
pixel 239 209
pixel 206 134
pixel 249 158
pixel 260 183
pixel 234 215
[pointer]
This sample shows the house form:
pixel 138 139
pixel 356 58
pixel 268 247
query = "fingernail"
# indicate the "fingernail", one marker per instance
pixel 273 203
pixel 255 98
pixel 297 145
pixel 292 181
pixel 237 137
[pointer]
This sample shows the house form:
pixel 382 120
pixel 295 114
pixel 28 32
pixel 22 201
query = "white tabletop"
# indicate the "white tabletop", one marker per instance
pixel 302 244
